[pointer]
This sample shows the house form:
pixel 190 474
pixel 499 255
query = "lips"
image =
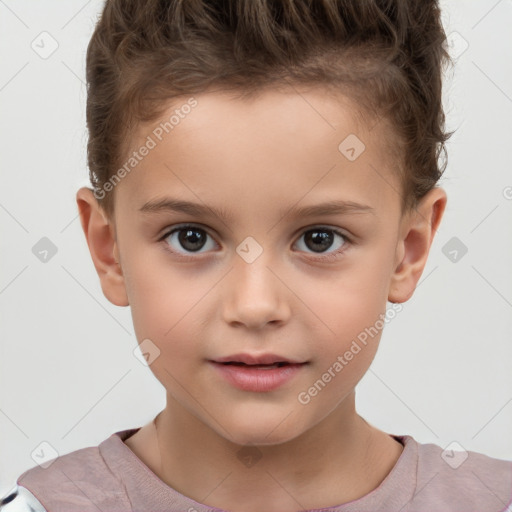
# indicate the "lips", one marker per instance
pixel 257 372
pixel 260 366
pixel 257 360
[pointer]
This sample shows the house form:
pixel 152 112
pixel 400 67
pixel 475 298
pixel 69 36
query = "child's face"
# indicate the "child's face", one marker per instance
pixel 256 162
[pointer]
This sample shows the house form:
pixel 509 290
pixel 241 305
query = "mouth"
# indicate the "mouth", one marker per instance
pixel 257 373
pixel 256 366
pixel 258 360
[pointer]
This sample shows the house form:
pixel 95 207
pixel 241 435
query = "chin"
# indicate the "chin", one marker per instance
pixel 266 430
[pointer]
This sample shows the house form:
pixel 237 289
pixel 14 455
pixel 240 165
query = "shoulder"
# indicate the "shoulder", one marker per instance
pixel 461 480
pixel 80 480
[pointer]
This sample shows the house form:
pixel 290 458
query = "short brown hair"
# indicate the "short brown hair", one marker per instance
pixel 385 55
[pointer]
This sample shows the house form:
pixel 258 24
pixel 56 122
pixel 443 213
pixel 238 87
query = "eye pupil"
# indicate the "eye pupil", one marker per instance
pixel 321 240
pixel 190 239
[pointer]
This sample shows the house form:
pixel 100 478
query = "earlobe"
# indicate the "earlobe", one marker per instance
pixel 418 231
pixel 100 236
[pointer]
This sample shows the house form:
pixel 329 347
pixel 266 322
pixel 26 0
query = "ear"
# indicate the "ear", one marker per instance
pixel 417 233
pixel 101 239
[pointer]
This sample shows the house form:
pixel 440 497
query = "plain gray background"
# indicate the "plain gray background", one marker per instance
pixel 69 376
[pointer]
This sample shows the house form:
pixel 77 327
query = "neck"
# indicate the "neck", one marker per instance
pixel 338 460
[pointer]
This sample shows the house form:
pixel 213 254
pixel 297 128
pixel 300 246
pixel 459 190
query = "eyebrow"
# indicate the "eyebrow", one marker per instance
pixel 337 207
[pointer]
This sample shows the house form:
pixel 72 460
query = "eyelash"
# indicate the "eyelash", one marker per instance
pixel 332 256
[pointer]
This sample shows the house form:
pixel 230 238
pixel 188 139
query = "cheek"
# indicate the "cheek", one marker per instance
pixel 343 357
pixel 346 303
pixel 348 316
pixel 165 306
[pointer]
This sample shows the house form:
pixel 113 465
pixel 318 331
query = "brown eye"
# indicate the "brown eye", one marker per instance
pixel 319 240
pixel 186 239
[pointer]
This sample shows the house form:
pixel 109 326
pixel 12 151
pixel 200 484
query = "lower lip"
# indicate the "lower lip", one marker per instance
pixel 256 379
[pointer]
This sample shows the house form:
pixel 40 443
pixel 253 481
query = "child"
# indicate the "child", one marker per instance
pixel 227 140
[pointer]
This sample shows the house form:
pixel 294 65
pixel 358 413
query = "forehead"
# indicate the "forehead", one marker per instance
pixel 279 146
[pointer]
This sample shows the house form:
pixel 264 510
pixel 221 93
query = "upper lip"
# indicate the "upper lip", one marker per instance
pixel 256 359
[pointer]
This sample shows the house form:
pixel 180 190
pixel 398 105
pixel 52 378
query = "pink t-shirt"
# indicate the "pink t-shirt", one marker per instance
pixel 111 478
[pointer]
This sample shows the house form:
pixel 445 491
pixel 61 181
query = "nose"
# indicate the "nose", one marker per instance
pixel 254 295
